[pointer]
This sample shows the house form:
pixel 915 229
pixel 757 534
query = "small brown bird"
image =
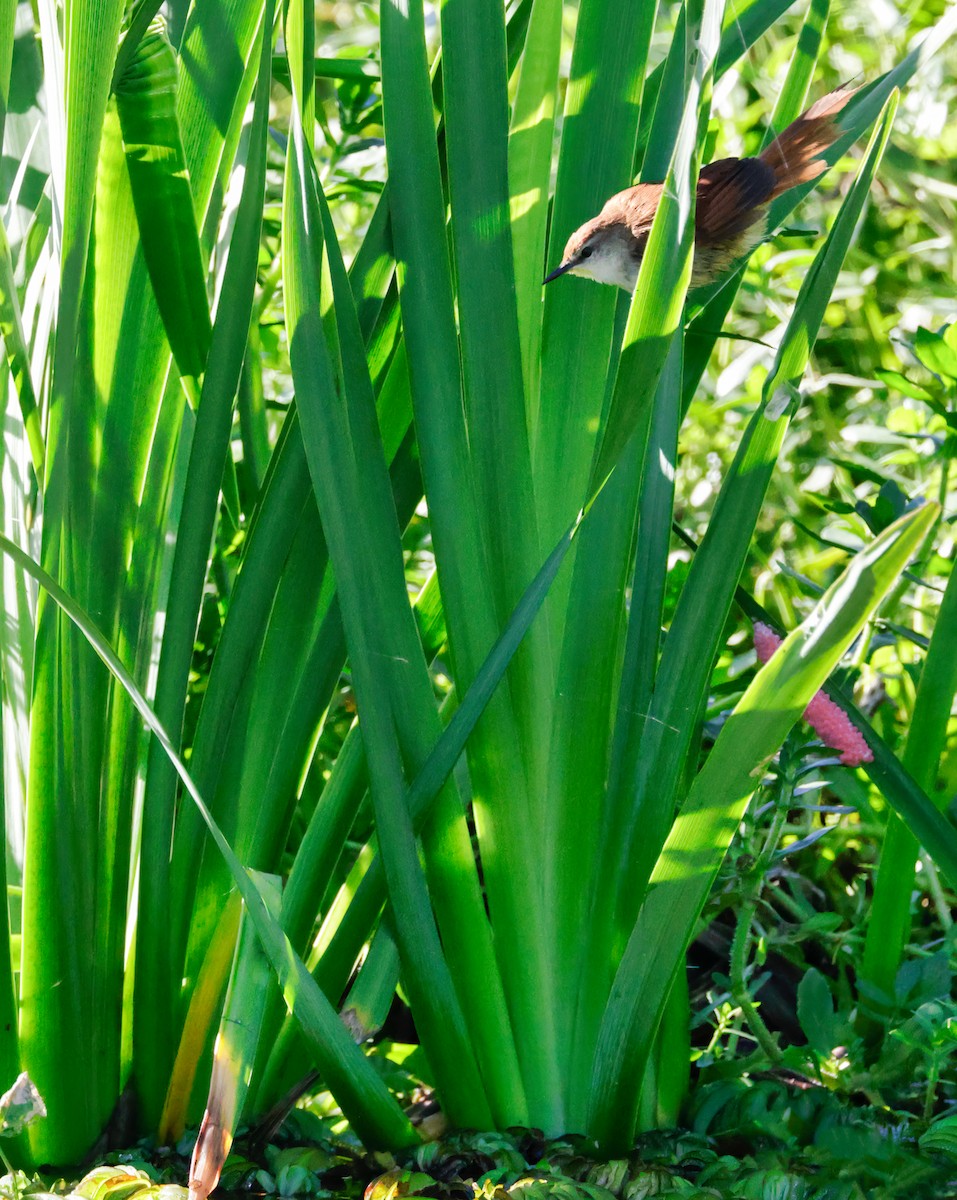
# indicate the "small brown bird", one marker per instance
pixel 731 209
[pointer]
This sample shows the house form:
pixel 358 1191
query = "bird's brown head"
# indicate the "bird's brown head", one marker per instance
pixel 609 247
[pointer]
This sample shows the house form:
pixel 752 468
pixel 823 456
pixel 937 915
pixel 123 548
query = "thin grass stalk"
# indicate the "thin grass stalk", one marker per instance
pixel 9 1037
pixel 649 579
pixel 324 839
pixel 253 423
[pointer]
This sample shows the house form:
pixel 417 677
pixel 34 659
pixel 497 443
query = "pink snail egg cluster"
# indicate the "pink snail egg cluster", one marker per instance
pixel 828 720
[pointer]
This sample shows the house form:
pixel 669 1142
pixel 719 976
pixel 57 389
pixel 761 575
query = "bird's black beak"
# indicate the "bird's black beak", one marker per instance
pixel 559 271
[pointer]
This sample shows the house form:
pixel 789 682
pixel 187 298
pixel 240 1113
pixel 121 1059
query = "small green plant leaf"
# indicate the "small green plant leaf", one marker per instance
pixel 816 1012
pixel 942 1137
pixel 936 353
pixel 113 1183
pixel 902 384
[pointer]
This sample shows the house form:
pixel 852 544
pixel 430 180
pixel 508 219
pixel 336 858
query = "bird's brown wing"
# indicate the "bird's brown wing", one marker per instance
pixel 729 191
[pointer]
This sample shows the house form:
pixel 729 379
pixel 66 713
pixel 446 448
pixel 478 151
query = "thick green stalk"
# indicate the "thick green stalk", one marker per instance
pixel 654 458
pixel 498 775
pixel 594 642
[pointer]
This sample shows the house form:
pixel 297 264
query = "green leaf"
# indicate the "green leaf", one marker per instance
pixel 665 272
pixel 146 103
pixel 903 385
pixel 596 160
pixel 58 911
pixel 17 355
pixel 8 25
pixel 888 931
pixel 815 1007
pixel 475 100
pixel 236 1045
pixel 583 821
pixel 529 173
pixel 936 354
pixel 942 1137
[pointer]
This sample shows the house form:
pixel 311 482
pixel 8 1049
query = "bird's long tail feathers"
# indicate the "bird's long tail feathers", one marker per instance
pixel 793 155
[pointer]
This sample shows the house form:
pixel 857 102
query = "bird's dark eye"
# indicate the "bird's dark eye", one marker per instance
pixel 586 253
